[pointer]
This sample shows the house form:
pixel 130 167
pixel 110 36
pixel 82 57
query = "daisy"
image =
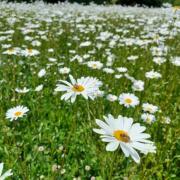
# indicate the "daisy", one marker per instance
pixel 138 85
pixel 85 86
pixel 94 64
pixel 16 112
pixel 122 132
pixel 132 58
pixel 128 100
pixel 24 90
pixel 149 118
pixel 39 88
pixel 41 73
pixel 111 97
pixel 64 70
pixel 159 60
pixel 30 52
pixel 175 61
pixel 153 75
pixel 108 70
pixel 12 51
pixel 121 69
pixel 149 108
pixel 6 174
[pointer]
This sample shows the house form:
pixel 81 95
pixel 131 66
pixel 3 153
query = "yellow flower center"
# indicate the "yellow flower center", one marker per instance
pixel 128 100
pixel 30 51
pixel 11 50
pixel 18 113
pixel 149 109
pixel 121 136
pixel 78 88
pixel 175 8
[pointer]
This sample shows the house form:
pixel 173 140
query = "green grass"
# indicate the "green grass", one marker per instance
pixel 65 129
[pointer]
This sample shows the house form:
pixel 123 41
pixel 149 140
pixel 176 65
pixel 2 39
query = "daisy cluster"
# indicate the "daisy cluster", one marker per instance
pixel 65 66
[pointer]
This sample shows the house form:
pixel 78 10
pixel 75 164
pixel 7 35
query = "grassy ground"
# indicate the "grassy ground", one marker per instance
pixel 57 132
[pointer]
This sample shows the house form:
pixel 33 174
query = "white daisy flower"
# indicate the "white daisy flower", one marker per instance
pixel 64 70
pixel 176 61
pixel 85 86
pixel 111 97
pixel 128 100
pixel 41 73
pixel 94 64
pixel 149 118
pixel 159 60
pixel 149 108
pixel 138 85
pixel 12 51
pixel 121 69
pixel 153 75
pixel 118 76
pixel 122 132
pixel 24 90
pixel 6 174
pixel 132 58
pixel 16 112
pixel 30 52
pixel 108 70
pixel 39 88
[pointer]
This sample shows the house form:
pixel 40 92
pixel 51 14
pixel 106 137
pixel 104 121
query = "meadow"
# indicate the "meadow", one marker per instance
pixel 89 92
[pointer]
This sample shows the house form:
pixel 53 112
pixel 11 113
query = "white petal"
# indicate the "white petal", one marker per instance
pixel 6 174
pixel 73 81
pixel 133 154
pixel 112 146
pixel 127 123
pixel 1 168
pixel 104 126
pixel 99 131
pixel 124 149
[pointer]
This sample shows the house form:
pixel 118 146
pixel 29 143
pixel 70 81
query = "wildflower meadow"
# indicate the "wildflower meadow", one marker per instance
pixel 89 92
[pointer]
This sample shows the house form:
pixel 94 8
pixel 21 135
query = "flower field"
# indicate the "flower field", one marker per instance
pixel 89 92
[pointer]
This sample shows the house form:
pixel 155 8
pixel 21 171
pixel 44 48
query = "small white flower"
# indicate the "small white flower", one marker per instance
pixel 132 58
pixel 6 174
pixel 121 69
pixel 24 90
pixel 159 60
pixel 153 75
pixel 41 73
pixel 149 118
pixel 16 112
pixel 87 168
pixel 30 52
pixel 50 50
pixel 108 70
pixel 111 97
pixel 175 61
pixel 149 108
pixel 39 88
pixel 128 100
pixel 52 59
pixel 85 44
pixel 64 70
pixel 85 86
pixel 138 85
pixel 94 64
pixel 118 76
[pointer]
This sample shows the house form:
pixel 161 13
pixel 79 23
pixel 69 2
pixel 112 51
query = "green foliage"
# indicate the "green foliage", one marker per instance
pixel 176 3
pixel 150 3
